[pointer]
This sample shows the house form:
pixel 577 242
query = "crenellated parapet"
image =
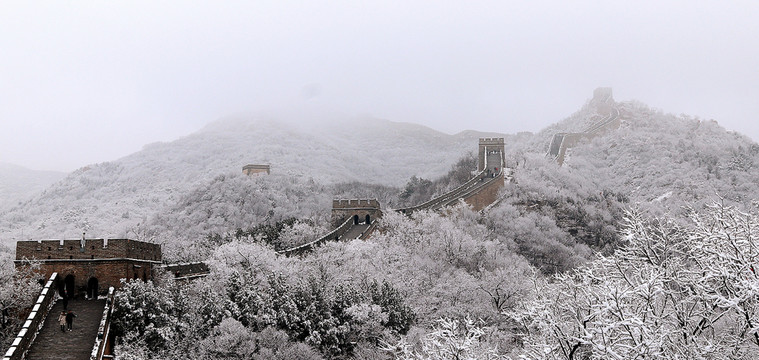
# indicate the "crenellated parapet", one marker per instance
pixel 87 249
pixel 355 203
pixel 187 271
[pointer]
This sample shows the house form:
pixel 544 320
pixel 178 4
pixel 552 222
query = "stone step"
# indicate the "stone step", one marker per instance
pixel 355 231
pixel 52 343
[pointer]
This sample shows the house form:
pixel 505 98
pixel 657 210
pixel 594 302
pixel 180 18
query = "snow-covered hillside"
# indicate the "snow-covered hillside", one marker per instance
pixel 184 190
pixel 666 162
pixel 110 199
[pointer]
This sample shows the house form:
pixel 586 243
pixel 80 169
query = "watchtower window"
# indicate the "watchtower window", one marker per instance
pixel 93 247
pixel 49 248
pixel 71 248
pixel 48 256
pixel 71 257
pixel 92 256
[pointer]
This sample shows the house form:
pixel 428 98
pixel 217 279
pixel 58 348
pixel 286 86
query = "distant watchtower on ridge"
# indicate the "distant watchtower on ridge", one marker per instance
pixel 603 100
pixel 256 169
pixel 491 155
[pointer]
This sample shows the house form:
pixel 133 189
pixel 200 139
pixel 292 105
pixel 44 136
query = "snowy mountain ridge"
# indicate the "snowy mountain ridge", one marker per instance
pixel 192 187
pixel 111 198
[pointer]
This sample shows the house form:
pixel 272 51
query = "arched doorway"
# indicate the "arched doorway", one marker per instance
pixel 92 288
pixel 355 219
pixel 368 219
pixel 61 287
pixel 70 285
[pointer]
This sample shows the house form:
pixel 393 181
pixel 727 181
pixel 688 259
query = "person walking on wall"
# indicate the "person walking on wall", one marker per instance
pixel 62 320
pixel 70 320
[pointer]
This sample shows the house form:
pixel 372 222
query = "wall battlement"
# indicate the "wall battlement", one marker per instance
pixel 187 270
pixel 92 249
pixel 491 141
pixel 355 203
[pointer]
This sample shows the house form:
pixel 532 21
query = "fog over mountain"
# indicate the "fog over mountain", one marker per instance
pixel 108 199
pixel 658 160
pixel 487 180
pixel 113 76
pixel 18 183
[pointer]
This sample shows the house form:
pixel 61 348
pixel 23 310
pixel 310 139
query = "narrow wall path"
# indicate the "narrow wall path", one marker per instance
pixel 53 344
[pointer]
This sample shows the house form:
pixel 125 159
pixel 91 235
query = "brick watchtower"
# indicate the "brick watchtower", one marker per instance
pixel 253 169
pixel 90 266
pixel 491 154
pixel 361 210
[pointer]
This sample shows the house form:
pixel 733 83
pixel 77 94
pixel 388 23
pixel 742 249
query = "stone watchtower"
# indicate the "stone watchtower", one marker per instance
pixel 361 210
pixel 256 169
pixel 91 266
pixel 603 100
pixel 491 155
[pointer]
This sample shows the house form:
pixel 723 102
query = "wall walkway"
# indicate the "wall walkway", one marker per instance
pixel 52 343
pixel 562 141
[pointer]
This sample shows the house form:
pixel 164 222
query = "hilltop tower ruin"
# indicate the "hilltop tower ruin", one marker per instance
pixel 603 100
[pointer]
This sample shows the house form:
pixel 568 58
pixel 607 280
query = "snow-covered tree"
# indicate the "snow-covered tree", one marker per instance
pixel 450 339
pixel 18 288
pixel 673 292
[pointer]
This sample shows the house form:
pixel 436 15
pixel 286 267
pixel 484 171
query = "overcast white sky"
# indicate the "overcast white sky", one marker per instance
pixel 84 82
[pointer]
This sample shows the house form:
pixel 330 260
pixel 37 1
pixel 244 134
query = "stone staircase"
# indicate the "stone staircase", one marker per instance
pixel 355 231
pixel 52 343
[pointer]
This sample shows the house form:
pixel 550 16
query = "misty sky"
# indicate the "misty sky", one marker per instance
pixel 85 82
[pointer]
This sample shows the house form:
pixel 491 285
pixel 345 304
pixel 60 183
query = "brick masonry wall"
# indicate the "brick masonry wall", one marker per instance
pixel 186 269
pixel 486 195
pixel 107 272
pixel 93 249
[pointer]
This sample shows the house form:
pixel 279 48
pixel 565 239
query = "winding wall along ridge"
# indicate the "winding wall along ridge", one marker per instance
pixel 469 188
pixel 562 141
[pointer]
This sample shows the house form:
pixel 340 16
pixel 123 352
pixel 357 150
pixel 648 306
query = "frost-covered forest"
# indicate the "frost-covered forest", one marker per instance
pixel 642 245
